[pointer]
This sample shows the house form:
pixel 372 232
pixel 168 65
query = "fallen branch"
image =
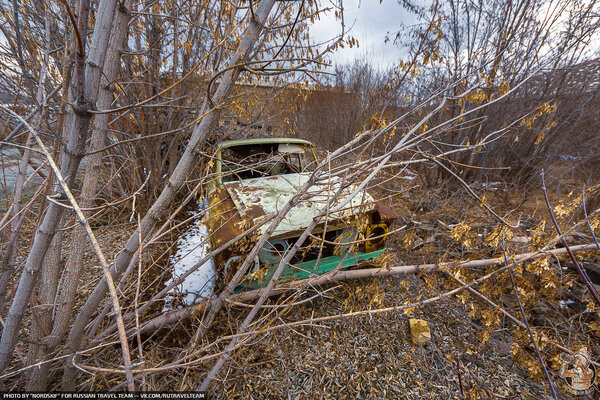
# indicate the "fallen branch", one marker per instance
pixel 184 313
pixel 312 321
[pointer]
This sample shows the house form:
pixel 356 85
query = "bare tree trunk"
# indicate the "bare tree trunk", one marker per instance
pixel 173 149
pixel 10 253
pixel 41 321
pixel 177 179
pixel 87 82
pixel 63 308
pixel 70 281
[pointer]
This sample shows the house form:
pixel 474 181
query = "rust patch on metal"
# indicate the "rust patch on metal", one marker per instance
pixel 223 222
pixel 236 206
pixel 226 223
pixel 254 211
pixel 385 213
pixel 243 187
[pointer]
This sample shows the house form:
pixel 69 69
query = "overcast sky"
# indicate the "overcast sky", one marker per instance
pixel 370 21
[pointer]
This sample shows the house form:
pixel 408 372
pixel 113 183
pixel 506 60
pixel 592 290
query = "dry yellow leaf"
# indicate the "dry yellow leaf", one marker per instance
pixel 419 329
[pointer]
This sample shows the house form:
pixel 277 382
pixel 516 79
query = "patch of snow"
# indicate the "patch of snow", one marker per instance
pixel 408 174
pixel 492 185
pixel 568 157
pixel 565 303
pixel 191 248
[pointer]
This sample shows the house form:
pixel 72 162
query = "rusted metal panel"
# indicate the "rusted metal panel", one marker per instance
pixel 386 213
pixel 224 216
pixel 236 206
pixel 224 222
pixel 257 197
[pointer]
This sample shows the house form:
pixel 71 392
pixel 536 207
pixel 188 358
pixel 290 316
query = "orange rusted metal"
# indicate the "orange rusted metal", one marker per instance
pixel 245 192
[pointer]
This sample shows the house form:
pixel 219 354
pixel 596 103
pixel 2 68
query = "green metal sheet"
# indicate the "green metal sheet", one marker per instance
pixel 307 269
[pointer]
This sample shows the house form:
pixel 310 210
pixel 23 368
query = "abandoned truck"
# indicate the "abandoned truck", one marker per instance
pixel 254 178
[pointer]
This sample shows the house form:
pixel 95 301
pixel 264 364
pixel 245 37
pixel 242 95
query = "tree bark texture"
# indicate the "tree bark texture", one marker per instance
pixel 87 82
pixel 186 164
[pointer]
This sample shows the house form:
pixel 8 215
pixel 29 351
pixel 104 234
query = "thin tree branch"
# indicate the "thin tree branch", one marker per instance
pixel 587 219
pixel 95 246
pixel 582 274
pixel 537 351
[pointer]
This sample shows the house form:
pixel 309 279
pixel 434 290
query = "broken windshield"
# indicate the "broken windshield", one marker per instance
pixel 265 159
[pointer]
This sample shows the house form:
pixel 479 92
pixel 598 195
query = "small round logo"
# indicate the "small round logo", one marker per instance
pixel 577 370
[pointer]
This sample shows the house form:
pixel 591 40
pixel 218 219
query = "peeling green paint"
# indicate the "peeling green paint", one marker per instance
pixel 309 268
pixel 257 193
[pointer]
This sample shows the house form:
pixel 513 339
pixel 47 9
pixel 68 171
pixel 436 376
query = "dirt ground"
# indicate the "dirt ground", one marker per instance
pixel 474 351
pixel 373 357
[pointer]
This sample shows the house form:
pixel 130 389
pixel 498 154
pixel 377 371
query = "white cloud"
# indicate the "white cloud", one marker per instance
pixel 369 22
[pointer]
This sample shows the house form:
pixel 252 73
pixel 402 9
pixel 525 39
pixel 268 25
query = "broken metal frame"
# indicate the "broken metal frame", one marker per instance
pixel 229 205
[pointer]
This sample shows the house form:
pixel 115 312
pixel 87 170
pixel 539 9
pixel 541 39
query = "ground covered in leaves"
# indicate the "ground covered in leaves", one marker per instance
pixel 475 351
pixel 373 356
